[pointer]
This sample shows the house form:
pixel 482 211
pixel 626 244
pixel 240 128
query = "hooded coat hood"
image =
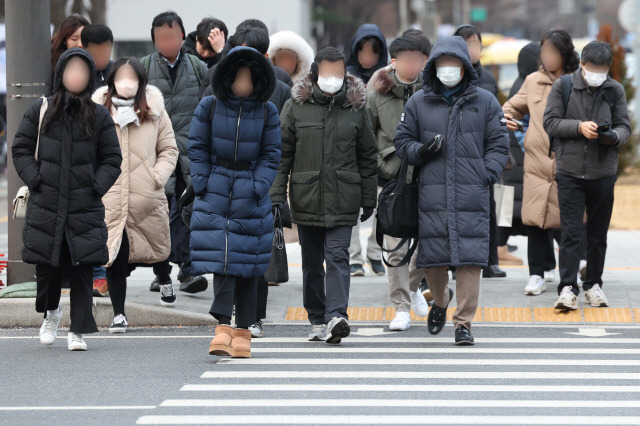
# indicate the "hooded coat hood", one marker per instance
pixel 292 41
pixel 263 76
pixel 353 66
pixel 62 64
pixel 528 59
pixel 447 46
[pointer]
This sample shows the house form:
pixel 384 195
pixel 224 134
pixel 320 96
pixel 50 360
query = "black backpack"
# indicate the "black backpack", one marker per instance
pixel 398 213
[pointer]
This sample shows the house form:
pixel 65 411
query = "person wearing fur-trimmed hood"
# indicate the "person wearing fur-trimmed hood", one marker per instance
pixel 291 52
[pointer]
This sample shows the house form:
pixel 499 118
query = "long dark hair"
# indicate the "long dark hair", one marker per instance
pixel 86 109
pixel 561 40
pixel 140 104
pixel 58 42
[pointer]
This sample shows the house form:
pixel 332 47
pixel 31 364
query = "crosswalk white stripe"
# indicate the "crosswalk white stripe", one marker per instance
pixel 418 375
pixel 454 350
pixel 430 361
pixel 231 387
pixel 526 403
pixel 394 419
pixel 479 340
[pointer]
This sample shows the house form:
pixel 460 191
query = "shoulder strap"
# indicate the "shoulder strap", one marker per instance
pixel 195 63
pixel 146 61
pixel 43 110
pixel 565 86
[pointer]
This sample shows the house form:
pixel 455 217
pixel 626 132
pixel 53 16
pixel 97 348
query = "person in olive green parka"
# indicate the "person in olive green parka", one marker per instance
pixel 329 160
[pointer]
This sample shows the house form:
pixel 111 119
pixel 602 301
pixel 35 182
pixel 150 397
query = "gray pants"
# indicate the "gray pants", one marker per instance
pixel 323 298
pixel 355 247
pixel 404 279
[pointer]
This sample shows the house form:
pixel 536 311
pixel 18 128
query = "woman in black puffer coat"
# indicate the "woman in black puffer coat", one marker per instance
pixel 78 160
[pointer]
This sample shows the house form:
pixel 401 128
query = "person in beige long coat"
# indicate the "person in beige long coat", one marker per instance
pixel 137 211
pixel 540 210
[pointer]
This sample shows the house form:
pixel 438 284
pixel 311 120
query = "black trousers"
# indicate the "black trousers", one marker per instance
pixel 230 290
pixel 120 269
pixel 323 298
pixel 263 293
pixel 574 195
pixel 180 233
pixel 493 229
pixel 540 252
pixel 80 278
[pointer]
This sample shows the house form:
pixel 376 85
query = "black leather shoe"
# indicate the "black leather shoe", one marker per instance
pixel 155 285
pixel 193 284
pixel 493 271
pixel 438 317
pixel 464 337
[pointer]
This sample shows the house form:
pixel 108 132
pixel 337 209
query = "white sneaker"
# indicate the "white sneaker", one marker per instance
pixel 419 304
pixel 337 329
pixel 549 276
pixel 75 342
pixel 318 333
pixel 401 322
pixel 567 300
pixel 49 329
pixel 595 297
pixel 535 286
pixel 118 325
pixel 582 272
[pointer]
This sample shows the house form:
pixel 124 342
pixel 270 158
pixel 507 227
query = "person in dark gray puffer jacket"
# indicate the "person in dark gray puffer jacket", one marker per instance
pixel 456 133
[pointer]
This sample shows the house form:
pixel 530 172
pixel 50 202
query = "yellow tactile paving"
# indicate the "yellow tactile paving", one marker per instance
pixel 607 315
pixel 507 314
pixel 493 314
pixel 552 315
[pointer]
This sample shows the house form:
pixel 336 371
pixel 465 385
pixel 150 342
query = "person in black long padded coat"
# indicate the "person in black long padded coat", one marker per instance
pixel 78 160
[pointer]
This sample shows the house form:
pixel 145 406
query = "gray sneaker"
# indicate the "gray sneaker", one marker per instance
pixel 318 333
pixel 337 329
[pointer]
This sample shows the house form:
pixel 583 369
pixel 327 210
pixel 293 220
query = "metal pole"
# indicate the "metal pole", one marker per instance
pixel 28 41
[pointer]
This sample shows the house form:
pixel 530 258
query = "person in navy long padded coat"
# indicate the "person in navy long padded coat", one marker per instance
pixel 234 158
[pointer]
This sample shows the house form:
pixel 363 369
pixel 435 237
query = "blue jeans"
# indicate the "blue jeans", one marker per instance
pixel 99 273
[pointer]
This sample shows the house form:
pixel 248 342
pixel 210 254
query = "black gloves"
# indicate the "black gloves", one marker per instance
pixel 430 148
pixel 366 213
pixel 609 138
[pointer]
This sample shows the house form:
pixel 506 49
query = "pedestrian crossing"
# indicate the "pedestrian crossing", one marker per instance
pixel 416 380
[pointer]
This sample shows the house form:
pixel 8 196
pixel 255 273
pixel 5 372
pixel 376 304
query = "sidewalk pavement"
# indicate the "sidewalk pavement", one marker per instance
pixel 501 299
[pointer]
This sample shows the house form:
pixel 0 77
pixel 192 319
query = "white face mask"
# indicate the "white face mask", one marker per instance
pixel 126 87
pixel 449 76
pixel 594 79
pixel 330 84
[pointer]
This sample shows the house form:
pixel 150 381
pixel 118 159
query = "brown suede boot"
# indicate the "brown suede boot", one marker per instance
pixel 506 258
pixel 241 344
pixel 221 343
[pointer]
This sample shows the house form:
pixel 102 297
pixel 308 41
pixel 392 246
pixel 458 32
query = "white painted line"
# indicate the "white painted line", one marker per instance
pixel 451 350
pixel 268 387
pixel 418 375
pixel 430 361
pixel 396 419
pixel 80 407
pixel 528 403
pixel 382 339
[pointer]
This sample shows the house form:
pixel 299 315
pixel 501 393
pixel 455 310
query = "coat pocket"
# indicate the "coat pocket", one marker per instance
pixel 305 191
pixel 349 191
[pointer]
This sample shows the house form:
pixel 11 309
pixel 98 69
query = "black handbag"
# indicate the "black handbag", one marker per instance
pixel 278 270
pixel 398 213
